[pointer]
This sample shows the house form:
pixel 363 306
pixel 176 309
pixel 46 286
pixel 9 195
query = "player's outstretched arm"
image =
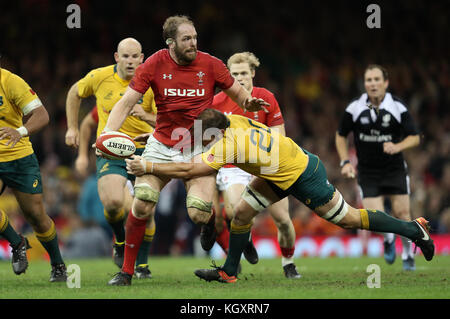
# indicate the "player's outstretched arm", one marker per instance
pixel 38 118
pixel 121 109
pixel 241 97
pixel 138 166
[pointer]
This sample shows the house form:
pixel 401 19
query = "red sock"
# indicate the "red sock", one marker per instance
pixel 134 235
pixel 223 239
pixel 287 252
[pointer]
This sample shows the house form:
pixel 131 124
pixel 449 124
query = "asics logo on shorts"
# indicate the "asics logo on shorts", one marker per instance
pixel 35 183
pixel 104 168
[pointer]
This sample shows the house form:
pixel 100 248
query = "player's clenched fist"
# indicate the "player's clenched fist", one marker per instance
pixel 72 137
pixel 348 171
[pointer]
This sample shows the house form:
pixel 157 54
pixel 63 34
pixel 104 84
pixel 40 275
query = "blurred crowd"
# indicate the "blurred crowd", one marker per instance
pixel 312 58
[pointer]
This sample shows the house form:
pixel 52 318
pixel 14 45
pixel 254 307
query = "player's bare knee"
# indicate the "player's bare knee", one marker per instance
pixel 142 209
pixel 199 216
pixel 199 210
pixel 112 205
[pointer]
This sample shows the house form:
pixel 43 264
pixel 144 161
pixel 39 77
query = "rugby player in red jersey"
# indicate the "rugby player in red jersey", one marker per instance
pixel 231 180
pixel 183 81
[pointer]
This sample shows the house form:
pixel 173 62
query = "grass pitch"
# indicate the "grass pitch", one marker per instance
pixel 173 278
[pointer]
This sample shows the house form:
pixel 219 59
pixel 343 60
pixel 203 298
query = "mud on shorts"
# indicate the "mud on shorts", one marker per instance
pixel 119 167
pixel 22 174
pixel 312 187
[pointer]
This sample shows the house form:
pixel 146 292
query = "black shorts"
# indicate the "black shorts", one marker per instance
pixel 395 183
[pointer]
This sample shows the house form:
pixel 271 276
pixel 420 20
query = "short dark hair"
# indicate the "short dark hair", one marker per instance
pixel 379 67
pixel 212 118
pixel 170 26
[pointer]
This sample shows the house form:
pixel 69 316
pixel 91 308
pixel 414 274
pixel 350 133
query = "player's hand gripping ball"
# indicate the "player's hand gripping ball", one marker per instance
pixel 115 145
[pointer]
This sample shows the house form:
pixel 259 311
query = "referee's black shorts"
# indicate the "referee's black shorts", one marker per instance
pixel 391 183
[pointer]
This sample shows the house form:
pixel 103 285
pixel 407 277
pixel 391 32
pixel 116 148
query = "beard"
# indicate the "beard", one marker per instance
pixel 185 58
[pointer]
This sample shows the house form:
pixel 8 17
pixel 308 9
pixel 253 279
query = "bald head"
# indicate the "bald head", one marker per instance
pixel 128 57
pixel 128 43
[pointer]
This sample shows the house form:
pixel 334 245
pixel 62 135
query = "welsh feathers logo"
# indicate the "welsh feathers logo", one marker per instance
pixel 200 77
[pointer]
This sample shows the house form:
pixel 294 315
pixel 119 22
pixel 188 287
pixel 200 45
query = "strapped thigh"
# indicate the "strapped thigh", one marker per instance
pixel 338 212
pixel 255 199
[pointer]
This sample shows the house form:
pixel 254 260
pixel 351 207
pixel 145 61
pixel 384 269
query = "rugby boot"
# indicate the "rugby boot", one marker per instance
pixel 19 258
pixel 121 279
pixel 290 271
pixel 59 273
pixel 118 254
pixel 389 251
pixel 250 253
pixel 142 272
pixel 425 243
pixel 215 274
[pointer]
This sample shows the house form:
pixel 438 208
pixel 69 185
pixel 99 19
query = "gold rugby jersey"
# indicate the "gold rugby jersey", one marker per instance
pixel 258 150
pixel 16 100
pixel 108 87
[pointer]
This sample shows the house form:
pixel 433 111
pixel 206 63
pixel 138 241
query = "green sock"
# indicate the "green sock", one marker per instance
pixel 117 224
pixel 239 236
pixel 11 236
pixel 49 240
pixel 379 221
pixel 7 231
pixel 142 256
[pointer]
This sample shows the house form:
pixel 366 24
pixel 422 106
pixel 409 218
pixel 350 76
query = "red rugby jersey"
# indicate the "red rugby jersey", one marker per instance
pixel 182 92
pixel 94 114
pixel 274 117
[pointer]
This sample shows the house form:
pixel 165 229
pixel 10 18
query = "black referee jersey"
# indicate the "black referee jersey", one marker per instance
pixel 370 129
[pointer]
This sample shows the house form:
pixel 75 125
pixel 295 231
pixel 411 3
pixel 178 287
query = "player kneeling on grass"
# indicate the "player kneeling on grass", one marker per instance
pixel 281 168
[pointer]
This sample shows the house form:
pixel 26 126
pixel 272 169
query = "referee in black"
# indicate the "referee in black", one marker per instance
pixel 382 128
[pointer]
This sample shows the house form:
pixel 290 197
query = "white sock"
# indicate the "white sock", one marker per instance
pixel 286 261
pixel 389 237
pixel 407 248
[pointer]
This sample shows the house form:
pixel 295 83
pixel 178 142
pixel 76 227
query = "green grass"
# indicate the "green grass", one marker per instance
pixel 173 278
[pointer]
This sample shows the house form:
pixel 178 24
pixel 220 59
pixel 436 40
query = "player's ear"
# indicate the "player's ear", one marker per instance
pixel 141 59
pixel 116 57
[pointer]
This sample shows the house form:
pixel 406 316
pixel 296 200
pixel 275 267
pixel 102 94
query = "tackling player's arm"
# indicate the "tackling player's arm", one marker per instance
pixel 73 102
pixel 241 97
pixel 139 166
pixel 121 109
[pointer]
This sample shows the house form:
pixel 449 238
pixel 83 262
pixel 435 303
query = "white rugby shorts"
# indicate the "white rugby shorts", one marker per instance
pixel 228 176
pixel 157 152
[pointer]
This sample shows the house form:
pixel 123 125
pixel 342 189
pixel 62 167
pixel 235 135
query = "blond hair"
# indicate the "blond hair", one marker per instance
pixel 244 57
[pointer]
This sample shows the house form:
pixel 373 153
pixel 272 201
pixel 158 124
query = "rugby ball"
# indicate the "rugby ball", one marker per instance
pixel 115 145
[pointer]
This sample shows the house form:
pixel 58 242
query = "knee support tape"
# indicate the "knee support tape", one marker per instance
pixel 145 192
pixel 198 203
